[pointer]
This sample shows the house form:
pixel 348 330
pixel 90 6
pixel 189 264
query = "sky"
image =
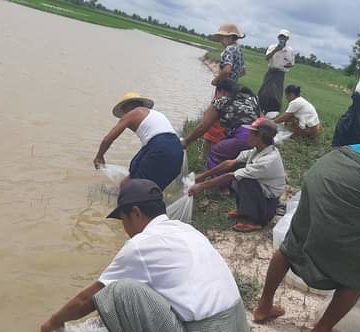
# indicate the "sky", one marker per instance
pixel 326 28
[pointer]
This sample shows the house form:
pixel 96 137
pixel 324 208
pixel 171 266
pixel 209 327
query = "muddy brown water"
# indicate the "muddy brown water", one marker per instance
pixel 59 79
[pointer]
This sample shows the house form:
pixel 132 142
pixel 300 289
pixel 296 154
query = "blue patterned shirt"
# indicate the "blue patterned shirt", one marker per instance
pixel 232 55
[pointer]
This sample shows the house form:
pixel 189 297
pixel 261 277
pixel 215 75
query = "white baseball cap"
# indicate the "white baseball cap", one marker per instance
pixel 284 32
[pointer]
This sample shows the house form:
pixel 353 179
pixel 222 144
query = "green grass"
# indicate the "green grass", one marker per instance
pixel 101 17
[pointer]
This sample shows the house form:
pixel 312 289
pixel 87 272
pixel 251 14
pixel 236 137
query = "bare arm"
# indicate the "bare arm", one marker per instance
pixel 271 54
pixel 225 72
pixel 78 307
pixel 284 117
pixel 209 118
pixel 224 167
pixel 108 140
pixel 220 181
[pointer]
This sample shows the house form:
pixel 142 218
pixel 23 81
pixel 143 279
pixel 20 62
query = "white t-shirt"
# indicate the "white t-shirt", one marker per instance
pixel 180 264
pixel 357 89
pixel 154 124
pixel 304 111
pixel 281 58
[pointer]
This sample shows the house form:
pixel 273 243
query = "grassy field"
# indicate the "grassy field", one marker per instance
pixel 329 90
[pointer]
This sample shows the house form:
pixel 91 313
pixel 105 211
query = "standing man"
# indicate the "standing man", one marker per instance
pixel 166 278
pixel 280 59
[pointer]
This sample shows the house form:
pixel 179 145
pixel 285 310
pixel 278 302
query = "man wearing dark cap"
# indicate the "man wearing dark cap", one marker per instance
pixel 256 176
pixel 166 278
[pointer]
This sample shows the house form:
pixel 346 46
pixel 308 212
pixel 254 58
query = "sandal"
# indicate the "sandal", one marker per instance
pixel 246 228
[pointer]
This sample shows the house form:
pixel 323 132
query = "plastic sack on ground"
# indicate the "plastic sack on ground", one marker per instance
pixel 182 208
pixel 279 233
pixel 282 134
pixel 90 325
pixel 349 323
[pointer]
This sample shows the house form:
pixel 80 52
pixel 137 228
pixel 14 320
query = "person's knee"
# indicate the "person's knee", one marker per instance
pixel 247 182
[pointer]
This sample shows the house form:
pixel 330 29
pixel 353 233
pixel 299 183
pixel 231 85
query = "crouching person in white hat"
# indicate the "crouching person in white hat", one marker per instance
pixel 166 278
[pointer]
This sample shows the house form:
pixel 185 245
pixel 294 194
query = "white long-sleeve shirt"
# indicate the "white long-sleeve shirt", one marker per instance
pixel 266 167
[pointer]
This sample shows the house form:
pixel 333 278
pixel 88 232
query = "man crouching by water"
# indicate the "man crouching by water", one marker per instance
pixel 256 176
pixel 161 156
pixel 166 278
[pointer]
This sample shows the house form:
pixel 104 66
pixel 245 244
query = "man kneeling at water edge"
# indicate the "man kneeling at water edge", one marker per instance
pixel 160 158
pixel 256 176
pixel 166 278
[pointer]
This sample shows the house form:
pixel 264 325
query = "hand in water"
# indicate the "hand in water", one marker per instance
pixel 195 190
pixel 98 161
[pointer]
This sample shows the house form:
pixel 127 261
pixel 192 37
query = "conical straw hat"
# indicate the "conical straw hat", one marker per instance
pixel 129 97
pixel 228 30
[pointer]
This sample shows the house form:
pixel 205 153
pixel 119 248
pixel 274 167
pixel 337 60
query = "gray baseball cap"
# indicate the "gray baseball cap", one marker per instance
pixel 136 191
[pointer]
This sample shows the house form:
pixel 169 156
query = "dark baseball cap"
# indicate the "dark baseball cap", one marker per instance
pixel 263 125
pixel 136 191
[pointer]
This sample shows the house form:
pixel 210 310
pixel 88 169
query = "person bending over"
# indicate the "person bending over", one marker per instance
pixel 167 277
pixel 300 116
pixel 161 156
pixel 234 106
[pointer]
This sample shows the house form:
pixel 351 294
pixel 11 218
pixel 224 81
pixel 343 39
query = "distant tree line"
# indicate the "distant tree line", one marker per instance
pixel 352 69
pixel 149 19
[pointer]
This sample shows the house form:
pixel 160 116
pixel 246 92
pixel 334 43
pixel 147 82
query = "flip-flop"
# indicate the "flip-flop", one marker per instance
pixel 246 228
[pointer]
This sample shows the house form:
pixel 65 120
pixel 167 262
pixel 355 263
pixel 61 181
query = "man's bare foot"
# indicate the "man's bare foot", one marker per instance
pixel 261 316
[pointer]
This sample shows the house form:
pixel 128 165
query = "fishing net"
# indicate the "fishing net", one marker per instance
pixel 179 203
